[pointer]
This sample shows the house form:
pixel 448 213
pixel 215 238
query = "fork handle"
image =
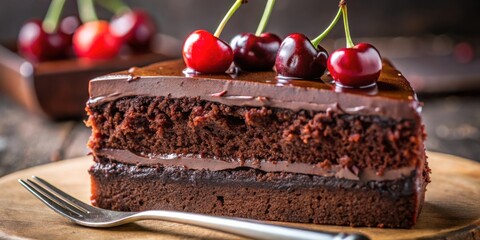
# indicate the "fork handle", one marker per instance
pixel 243 227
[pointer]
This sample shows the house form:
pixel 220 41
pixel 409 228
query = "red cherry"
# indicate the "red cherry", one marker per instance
pixel 298 58
pixel 93 40
pixel 68 26
pixel 135 27
pixel 255 53
pixel 205 53
pixel 355 67
pixel 37 45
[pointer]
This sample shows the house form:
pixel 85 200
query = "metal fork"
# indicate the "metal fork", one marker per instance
pixel 86 215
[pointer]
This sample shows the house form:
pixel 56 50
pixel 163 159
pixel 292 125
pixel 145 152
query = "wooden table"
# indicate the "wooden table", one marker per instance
pixel 28 140
pixel 452 122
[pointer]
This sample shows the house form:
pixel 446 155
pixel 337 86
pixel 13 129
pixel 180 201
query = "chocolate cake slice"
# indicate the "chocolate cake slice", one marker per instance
pixel 254 146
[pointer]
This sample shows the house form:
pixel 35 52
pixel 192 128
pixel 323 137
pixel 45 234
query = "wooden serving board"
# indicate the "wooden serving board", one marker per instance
pixel 452 208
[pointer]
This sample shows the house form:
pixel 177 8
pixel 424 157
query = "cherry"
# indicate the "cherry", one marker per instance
pixel 135 27
pixel 298 58
pixel 205 53
pixel 37 45
pixel 69 25
pixel 357 66
pixel 42 40
pixel 93 40
pixel 255 53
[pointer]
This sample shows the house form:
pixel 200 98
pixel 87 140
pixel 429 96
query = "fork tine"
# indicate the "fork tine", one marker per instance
pixel 66 205
pixel 57 199
pixel 77 203
pixel 59 208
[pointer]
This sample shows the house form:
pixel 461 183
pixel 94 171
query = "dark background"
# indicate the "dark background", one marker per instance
pixel 425 39
pixel 368 18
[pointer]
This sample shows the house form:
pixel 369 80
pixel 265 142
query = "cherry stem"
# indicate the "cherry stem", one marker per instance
pixel 86 10
pixel 50 22
pixel 265 17
pixel 115 6
pixel 227 17
pixel 345 25
pixel 320 37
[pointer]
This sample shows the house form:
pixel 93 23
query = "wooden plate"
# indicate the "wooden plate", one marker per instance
pixel 452 208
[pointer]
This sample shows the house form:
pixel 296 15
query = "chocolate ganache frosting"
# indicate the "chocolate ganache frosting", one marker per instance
pixel 392 97
pixel 199 163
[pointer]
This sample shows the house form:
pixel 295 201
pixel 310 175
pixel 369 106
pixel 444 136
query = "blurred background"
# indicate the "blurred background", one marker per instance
pixel 435 43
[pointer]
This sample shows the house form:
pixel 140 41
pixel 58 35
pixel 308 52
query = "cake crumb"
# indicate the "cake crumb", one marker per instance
pixel 354 137
pixel 345 161
pixel 219 94
pixel 325 164
pixel 257 117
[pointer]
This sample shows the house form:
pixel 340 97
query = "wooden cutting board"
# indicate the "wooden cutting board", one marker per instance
pixel 452 208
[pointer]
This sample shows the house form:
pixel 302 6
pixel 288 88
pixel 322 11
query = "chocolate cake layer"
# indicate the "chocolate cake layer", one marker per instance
pixel 191 126
pixel 255 194
pixel 392 97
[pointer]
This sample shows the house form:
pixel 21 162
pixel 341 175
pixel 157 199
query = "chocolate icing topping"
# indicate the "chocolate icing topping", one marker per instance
pixel 198 163
pixel 393 96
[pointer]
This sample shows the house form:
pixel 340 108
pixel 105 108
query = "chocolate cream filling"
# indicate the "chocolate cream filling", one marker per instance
pixel 212 164
pixel 392 96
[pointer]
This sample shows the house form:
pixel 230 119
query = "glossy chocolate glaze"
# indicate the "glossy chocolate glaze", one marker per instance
pixel 392 97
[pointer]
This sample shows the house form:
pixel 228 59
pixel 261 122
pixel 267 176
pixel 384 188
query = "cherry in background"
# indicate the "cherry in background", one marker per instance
pixel 69 25
pixel 93 40
pixel 42 40
pixel 207 53
pixel 134 27
pixel 53 39
pixel 37 45
pixel 256 52
pixel 298 58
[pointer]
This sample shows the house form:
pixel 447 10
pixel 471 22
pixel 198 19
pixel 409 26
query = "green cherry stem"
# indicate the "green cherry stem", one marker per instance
pixel 265 17
pixel 50 22
pixel 115 6
pixel 86 10
pixel 227 17
pixel 320 37
pixel 345 25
